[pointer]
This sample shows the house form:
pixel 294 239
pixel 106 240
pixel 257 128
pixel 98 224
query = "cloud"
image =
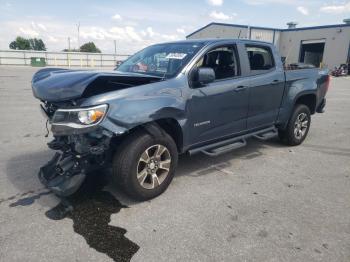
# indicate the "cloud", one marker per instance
pixel 52 39
pixel 167 37
pixel 336 9
pixel 150 31
pixel 42 27
pixel 117 17
pixel 93 32
pixel 303 10
pixel 29 32
pixel 130 31
pixel 38 26
pixel 219 15
pixel 266 2
pixel 216 2
pixel 126 34
pixel 181 31
pixel 129 38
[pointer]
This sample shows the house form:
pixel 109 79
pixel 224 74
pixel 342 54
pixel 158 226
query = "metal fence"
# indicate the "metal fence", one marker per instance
pixel 65 59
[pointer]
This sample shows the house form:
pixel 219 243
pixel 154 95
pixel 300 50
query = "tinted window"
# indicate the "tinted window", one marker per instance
pixel 223 60
pixel 260 58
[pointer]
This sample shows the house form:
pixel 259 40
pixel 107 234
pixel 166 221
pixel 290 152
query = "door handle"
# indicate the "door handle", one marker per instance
pixel 275 82
pixel 240 88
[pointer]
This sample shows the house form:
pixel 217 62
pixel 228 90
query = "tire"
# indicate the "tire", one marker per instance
pixel 296 131
pixel 131 168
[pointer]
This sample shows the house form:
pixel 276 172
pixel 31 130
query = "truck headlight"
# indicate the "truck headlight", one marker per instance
pixel 80 117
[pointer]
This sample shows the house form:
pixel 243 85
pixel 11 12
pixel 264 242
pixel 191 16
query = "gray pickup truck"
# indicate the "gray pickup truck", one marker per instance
pixel 195 96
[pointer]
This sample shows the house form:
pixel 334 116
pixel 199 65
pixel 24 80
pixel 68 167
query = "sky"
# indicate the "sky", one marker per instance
pixel 135 24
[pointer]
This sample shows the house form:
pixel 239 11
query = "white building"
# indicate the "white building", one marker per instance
pixel 327 46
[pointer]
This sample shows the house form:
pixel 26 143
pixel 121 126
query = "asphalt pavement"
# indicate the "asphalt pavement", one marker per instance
pixel 264 202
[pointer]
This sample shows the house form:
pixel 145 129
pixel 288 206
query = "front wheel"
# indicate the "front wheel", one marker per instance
pixel 298 126
pixel 144 164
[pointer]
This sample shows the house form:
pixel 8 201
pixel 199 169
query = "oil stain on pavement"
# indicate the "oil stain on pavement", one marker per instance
pixel 91 209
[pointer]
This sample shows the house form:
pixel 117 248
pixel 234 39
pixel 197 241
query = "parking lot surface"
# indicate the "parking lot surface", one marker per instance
pixel 264 202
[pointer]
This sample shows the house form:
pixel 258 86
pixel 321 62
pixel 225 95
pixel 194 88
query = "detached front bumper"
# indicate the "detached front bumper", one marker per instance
pixel 82 149
pixel 63 174
pixel 77 156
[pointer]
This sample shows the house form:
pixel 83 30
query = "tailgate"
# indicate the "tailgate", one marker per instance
pixel 323 82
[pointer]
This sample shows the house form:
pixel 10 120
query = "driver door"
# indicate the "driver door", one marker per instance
pixel 220 108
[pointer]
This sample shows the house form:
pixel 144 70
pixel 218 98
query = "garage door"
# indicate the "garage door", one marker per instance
pixel 311 52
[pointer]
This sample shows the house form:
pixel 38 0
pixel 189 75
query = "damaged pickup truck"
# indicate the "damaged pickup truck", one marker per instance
pixel 193 96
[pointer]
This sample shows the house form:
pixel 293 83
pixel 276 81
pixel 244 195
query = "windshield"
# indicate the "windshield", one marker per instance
pixel 163 60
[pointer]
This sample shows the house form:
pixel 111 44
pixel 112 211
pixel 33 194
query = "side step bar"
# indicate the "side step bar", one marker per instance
pixel 267 135
pixel 224 149
pixel 228 145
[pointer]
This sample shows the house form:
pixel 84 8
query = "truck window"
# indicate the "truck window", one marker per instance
pixel 162 60
pixel 260 57
pixel 223 60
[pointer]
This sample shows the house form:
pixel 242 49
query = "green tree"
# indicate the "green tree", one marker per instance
pixel 20 44
pixel 37 44
pixel 28 44
pixel 13 45
pixel 89 47
pixel 71 50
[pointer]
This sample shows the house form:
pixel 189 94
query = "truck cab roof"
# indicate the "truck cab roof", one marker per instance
pixel 208 41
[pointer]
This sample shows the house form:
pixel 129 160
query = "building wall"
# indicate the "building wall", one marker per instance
pixel 262 35
pixel 277 38
pixel 288 42
pixel 336 46
pixel 229 31
pixel 220 31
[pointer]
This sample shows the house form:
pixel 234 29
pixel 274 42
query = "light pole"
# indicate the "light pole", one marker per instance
pixel 68 44
pixel 115 51
pixel 78 27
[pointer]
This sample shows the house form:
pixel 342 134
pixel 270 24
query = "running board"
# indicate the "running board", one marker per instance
pixel 230 144
pixel 267 135
pixel 224 149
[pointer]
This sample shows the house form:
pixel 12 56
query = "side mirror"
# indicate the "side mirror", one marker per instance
pixel 202 76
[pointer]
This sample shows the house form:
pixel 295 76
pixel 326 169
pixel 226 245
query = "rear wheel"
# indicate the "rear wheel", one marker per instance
pixel 298 126
pixel 144 164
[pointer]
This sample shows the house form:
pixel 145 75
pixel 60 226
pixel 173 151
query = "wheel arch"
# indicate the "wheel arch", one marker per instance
pixel 308 99
pixel 169 125
pixel 172 127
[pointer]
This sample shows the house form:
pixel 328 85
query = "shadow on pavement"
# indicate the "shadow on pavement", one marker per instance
pixel 91 207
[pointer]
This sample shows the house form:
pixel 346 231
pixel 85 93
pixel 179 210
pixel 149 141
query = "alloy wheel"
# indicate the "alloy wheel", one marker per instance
pixel 301 126
pixel 153 166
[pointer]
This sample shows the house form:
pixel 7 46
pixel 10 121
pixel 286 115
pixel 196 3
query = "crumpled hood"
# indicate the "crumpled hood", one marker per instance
pixel 57 84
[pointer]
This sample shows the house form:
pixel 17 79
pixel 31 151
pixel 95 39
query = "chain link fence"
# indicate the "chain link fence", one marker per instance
pixel 60 59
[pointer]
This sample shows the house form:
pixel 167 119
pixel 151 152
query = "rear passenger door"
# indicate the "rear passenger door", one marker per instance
pixel 266 86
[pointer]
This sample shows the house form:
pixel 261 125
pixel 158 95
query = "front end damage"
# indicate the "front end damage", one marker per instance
pixel 82 134
pixel 78 154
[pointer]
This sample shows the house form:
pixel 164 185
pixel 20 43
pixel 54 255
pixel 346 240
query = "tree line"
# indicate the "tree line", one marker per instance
pixel 21 43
